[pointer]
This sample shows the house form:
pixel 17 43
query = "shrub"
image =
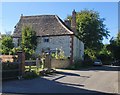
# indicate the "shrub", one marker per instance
pixel 87 63
pixel 59 55
pixel 106 59
pixel 78 64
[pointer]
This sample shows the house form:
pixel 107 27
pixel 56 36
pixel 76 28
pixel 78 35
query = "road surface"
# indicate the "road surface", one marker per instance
pixel 93 80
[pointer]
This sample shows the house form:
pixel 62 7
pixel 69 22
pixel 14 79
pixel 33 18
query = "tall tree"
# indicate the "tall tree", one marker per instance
pixel 118 38
pixel 6 44
pixel 114 47
pixel 29 40
pixel 90 28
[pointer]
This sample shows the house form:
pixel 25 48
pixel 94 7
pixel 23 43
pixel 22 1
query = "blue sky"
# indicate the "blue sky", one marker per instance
pixel 11 12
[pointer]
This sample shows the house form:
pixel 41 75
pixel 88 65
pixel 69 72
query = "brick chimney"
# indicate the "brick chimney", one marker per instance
pixel 67 23
pixel 73 21
pixel 21 16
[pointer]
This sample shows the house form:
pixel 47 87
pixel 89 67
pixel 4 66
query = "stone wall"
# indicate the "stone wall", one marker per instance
pixel 78 49
pixel 59 42
pixel 60 63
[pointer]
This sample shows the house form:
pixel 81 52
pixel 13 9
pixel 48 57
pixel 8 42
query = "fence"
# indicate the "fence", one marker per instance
pixel 14 69
pixel 10 70
pixel 30 62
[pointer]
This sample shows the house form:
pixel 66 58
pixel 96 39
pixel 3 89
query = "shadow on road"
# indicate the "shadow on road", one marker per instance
pixel 103 68
pixel 59 78
pixel 66 73
pixel 42 85
pixel 71 84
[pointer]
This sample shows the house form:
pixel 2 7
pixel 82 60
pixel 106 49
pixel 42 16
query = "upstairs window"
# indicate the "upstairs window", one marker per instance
pixel 46 39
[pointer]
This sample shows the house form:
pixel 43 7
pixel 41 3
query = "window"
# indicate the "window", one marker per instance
pixel 46 39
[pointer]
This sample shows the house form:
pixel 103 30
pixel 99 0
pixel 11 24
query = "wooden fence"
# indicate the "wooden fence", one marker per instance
pixel 10 70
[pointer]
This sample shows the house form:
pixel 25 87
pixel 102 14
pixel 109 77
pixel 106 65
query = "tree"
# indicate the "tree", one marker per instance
pixel 104 55
pixel 90 29
pixel 114 47
pixel 118 38
pixel 6 44
pixel 29 40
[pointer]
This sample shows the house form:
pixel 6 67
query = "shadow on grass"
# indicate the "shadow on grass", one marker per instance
pixel 42 85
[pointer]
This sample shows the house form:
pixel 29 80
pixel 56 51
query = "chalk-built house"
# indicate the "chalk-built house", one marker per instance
pixel 52 33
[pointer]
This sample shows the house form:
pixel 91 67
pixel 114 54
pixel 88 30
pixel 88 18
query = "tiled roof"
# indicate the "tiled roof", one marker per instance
pixel 43 25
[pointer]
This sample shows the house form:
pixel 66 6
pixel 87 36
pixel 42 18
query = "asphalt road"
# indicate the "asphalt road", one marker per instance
pixel 99 80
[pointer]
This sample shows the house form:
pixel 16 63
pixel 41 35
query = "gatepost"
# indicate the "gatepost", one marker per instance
pixel 48 62
pixel 21 61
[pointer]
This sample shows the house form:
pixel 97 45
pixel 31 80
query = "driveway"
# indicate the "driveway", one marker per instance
pixel 98 80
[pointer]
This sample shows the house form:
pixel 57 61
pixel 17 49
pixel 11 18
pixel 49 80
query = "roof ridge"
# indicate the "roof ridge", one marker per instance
pixel 38 15
pixel 58 19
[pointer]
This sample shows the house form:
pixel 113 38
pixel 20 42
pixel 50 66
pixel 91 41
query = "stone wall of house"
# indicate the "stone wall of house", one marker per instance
pixel 59 42
pixel 78 49
pixel 55 42
pixel 57 63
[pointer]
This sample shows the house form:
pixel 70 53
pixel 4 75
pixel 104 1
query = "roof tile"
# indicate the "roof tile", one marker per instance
pixel 43 25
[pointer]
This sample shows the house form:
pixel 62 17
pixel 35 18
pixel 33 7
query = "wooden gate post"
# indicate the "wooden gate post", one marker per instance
pixel 21 60
pixel 48 62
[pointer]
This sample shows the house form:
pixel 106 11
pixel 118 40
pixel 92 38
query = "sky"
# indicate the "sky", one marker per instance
pixel 11 12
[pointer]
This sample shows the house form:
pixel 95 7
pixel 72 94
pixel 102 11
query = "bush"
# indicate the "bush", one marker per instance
pixel 30 75
pixel 78 64
pixel 59 54
pixel 106 59
pixel 87 63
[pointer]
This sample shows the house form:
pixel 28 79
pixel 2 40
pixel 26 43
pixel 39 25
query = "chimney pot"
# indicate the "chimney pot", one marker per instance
pixel 73 22
pixel 21 15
